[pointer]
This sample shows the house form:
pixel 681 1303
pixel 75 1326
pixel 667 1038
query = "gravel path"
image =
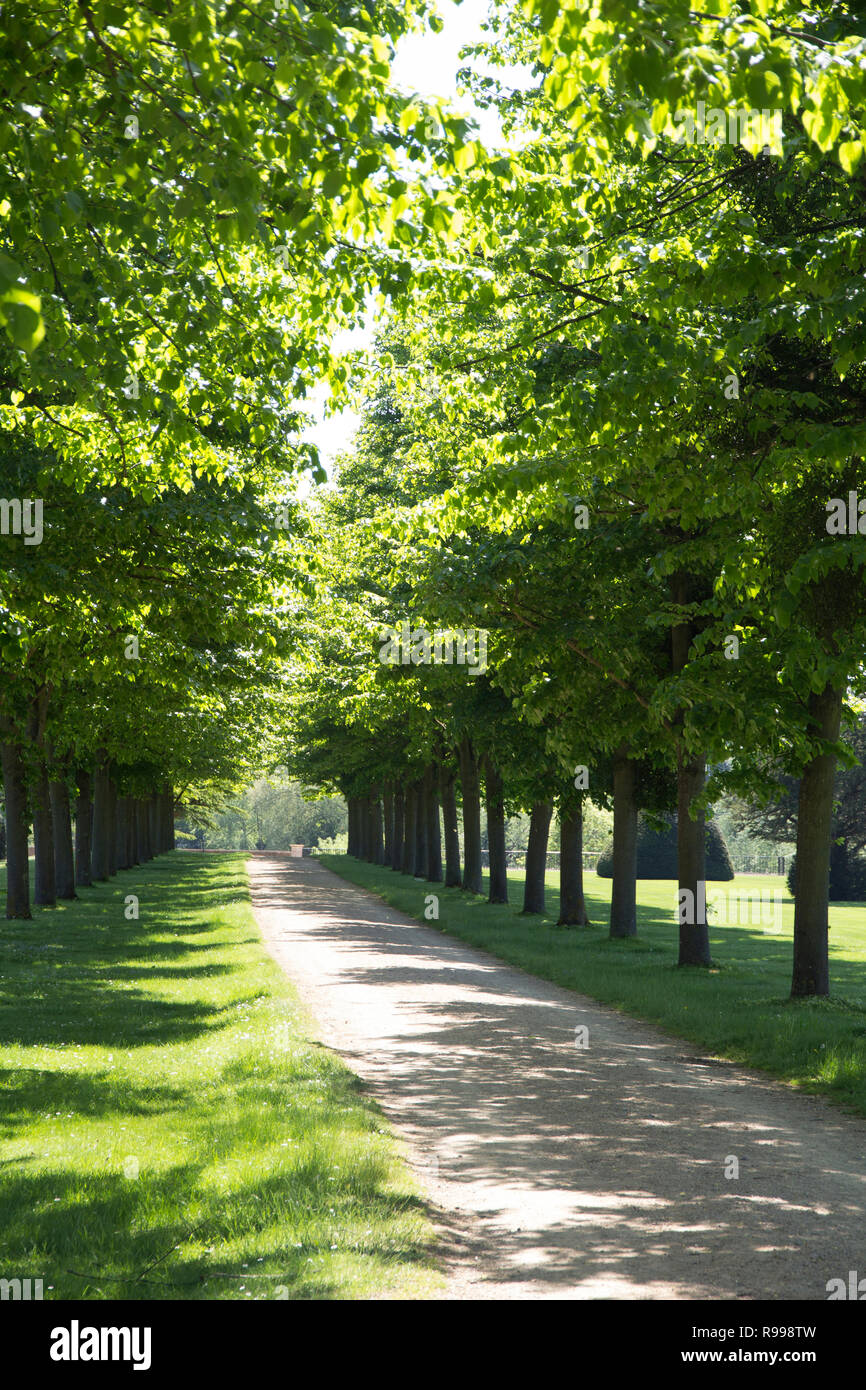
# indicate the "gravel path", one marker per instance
pixel 554 1171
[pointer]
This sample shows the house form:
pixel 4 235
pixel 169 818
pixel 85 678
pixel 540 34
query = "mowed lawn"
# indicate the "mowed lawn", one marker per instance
pixel 167 1130
pixel 740 1009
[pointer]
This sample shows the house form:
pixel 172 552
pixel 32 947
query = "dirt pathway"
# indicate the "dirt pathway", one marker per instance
pixel 558 1172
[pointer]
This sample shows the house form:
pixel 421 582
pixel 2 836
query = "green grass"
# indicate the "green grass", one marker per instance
pixel 167 1130
pixel 739 1009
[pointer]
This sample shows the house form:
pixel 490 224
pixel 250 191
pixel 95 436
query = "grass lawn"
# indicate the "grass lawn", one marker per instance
pixel 167 1130
pixel 739 1009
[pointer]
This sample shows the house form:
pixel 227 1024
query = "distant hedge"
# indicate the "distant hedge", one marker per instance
pixel 847 877
pixel 657 853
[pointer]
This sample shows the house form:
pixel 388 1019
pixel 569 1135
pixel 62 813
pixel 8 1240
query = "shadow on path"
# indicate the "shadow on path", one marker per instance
pixel 557 1171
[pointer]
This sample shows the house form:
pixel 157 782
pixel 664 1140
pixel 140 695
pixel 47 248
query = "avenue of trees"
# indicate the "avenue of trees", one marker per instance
pixel 194 200
pixel 610 434
pixel 618 382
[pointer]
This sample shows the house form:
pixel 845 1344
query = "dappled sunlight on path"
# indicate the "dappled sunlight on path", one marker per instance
pixel 556 1171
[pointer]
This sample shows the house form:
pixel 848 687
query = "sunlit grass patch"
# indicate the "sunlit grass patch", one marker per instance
pixel 167 1129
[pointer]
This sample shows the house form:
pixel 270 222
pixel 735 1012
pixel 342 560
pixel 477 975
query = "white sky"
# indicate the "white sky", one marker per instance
pixel 426 63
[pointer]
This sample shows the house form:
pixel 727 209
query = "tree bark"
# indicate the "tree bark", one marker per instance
pixel 44 890
pixel 691 834
pixel 623 897
pixel 691 856
pixel 83 814
pixel 450 827
pixel 397 834
pixel 432 838
pixel 407 860
pixel 121 832
pixel 498 874
pixel 536 857
pixel 420 860
pixel 64 859
pixel 153 823
pixel 17 827
pixel 572 904
pixel 112 827
pixel 44 884
pixel 471 817
pixel 131 832
pixel 169 798
pixel 811 974
pixel 102 828
pixel 388 817
pixel 352 834
pixel 144 853
pixel 377 850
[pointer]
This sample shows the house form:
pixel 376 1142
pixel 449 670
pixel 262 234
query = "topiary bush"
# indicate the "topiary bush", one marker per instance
pixel 657 853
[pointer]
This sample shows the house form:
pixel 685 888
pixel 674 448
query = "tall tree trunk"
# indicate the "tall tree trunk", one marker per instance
pixel 144 852
pixel 364 826
pixel 153 823
pixel 407 859
pixel 536 857
pixel 83 819
pixel 44 884
pixel 572 904
pixel 44 890
pixel 623 897
pixel 169 799
pixel 420 859
pixel 64 860
pixel 352 829
pixel 432 837
pixel 131 832
pixel 112 828
pixel 377 851
pixel 811 975
pixel 17 826
pixel 450 827
pixel 691 863
pixel 102 828
pixel 471 817
pixel 691 834
pixel 388 816
pixel 121 832
pixel 397 834
pixel 498 892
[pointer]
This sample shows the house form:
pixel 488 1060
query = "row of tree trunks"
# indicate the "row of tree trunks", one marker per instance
pixel 401 828
pixel 413 838
pixel 111 831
